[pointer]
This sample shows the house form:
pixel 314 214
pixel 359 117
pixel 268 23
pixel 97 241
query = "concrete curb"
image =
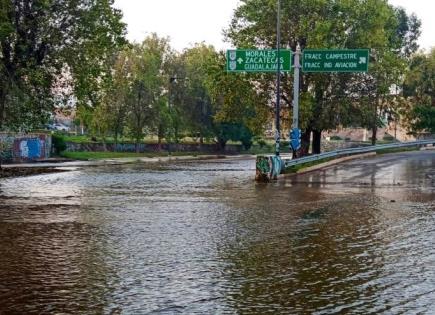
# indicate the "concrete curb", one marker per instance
pixel 332 162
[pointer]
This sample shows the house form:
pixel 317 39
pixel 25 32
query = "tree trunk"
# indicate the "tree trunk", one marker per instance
pixel 2 118
pixel 374 134
pixel 375 120
pixel 159 143
pixel 222 143
pixel 2 107
pixel 103 139
pixel 201 142
pixel 160 136
pixel 317 138
pixel 136 146
pixel 115 149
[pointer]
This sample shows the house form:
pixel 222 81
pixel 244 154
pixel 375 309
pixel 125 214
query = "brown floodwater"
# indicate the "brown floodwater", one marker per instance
pixel 202 237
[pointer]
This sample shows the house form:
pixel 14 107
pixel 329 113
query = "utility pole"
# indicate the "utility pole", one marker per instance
pixel 278 80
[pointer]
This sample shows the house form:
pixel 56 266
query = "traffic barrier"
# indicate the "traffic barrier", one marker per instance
pixel 265 174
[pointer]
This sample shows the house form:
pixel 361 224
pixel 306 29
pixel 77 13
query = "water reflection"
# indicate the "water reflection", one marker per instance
pixel 202 238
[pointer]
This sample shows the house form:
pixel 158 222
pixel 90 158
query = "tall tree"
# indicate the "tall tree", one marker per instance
pixel 239 108
pixel 148 82
pixel 113 109
pixel 39 38
pixel 329 24
pixel 196 102
pixel 419 89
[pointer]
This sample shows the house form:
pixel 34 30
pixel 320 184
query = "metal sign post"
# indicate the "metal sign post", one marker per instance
pixel 295 133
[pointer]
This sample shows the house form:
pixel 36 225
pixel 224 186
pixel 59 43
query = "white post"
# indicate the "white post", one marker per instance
pixel 297 67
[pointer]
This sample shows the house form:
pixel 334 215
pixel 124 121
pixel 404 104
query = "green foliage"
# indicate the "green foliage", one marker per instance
pixel 262 143
pixel 191 95
pixel 331 99
pixel 299 167
pixel 424 116
pixel 236 102
pixel 42 41
pixel 396 150
pixel 419 88
pixel 420 79
pixel 58 142
pixel 234 132
pixel 147 85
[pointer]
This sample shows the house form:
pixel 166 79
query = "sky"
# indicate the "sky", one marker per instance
pixel 187 22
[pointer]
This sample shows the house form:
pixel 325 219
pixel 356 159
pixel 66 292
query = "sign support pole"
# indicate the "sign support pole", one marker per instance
pixel 297 66
pixel 295 132
pixel 278 81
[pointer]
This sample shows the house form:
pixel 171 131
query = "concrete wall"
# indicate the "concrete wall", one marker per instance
pixel 19 148
pixel 130 147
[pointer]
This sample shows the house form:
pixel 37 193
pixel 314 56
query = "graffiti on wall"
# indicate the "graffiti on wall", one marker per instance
pixel 14 148
pixel 31 148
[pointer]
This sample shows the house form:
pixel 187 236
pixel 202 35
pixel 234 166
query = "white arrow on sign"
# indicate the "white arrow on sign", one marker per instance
pixel 240 60
pixel 362 60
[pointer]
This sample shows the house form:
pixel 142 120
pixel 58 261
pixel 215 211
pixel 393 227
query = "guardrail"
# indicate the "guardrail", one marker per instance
pixel 351 151
pixel 268 167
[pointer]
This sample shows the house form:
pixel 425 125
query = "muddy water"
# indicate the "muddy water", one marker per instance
pixel 203 238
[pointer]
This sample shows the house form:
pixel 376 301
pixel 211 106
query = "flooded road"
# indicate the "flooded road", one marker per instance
pixel 204 238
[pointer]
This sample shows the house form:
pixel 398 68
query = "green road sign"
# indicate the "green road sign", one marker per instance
pixel 248 60
pixel 335 60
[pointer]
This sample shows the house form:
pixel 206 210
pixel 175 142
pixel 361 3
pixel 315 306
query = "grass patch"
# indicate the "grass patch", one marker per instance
pixel 296 168
pixel 396 150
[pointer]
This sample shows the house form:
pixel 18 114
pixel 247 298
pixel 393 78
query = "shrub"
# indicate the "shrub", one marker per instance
pixel 58 142
pixel 336 138
pixel 261 143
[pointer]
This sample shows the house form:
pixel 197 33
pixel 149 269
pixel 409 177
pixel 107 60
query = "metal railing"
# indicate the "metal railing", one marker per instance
pixel 352 151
